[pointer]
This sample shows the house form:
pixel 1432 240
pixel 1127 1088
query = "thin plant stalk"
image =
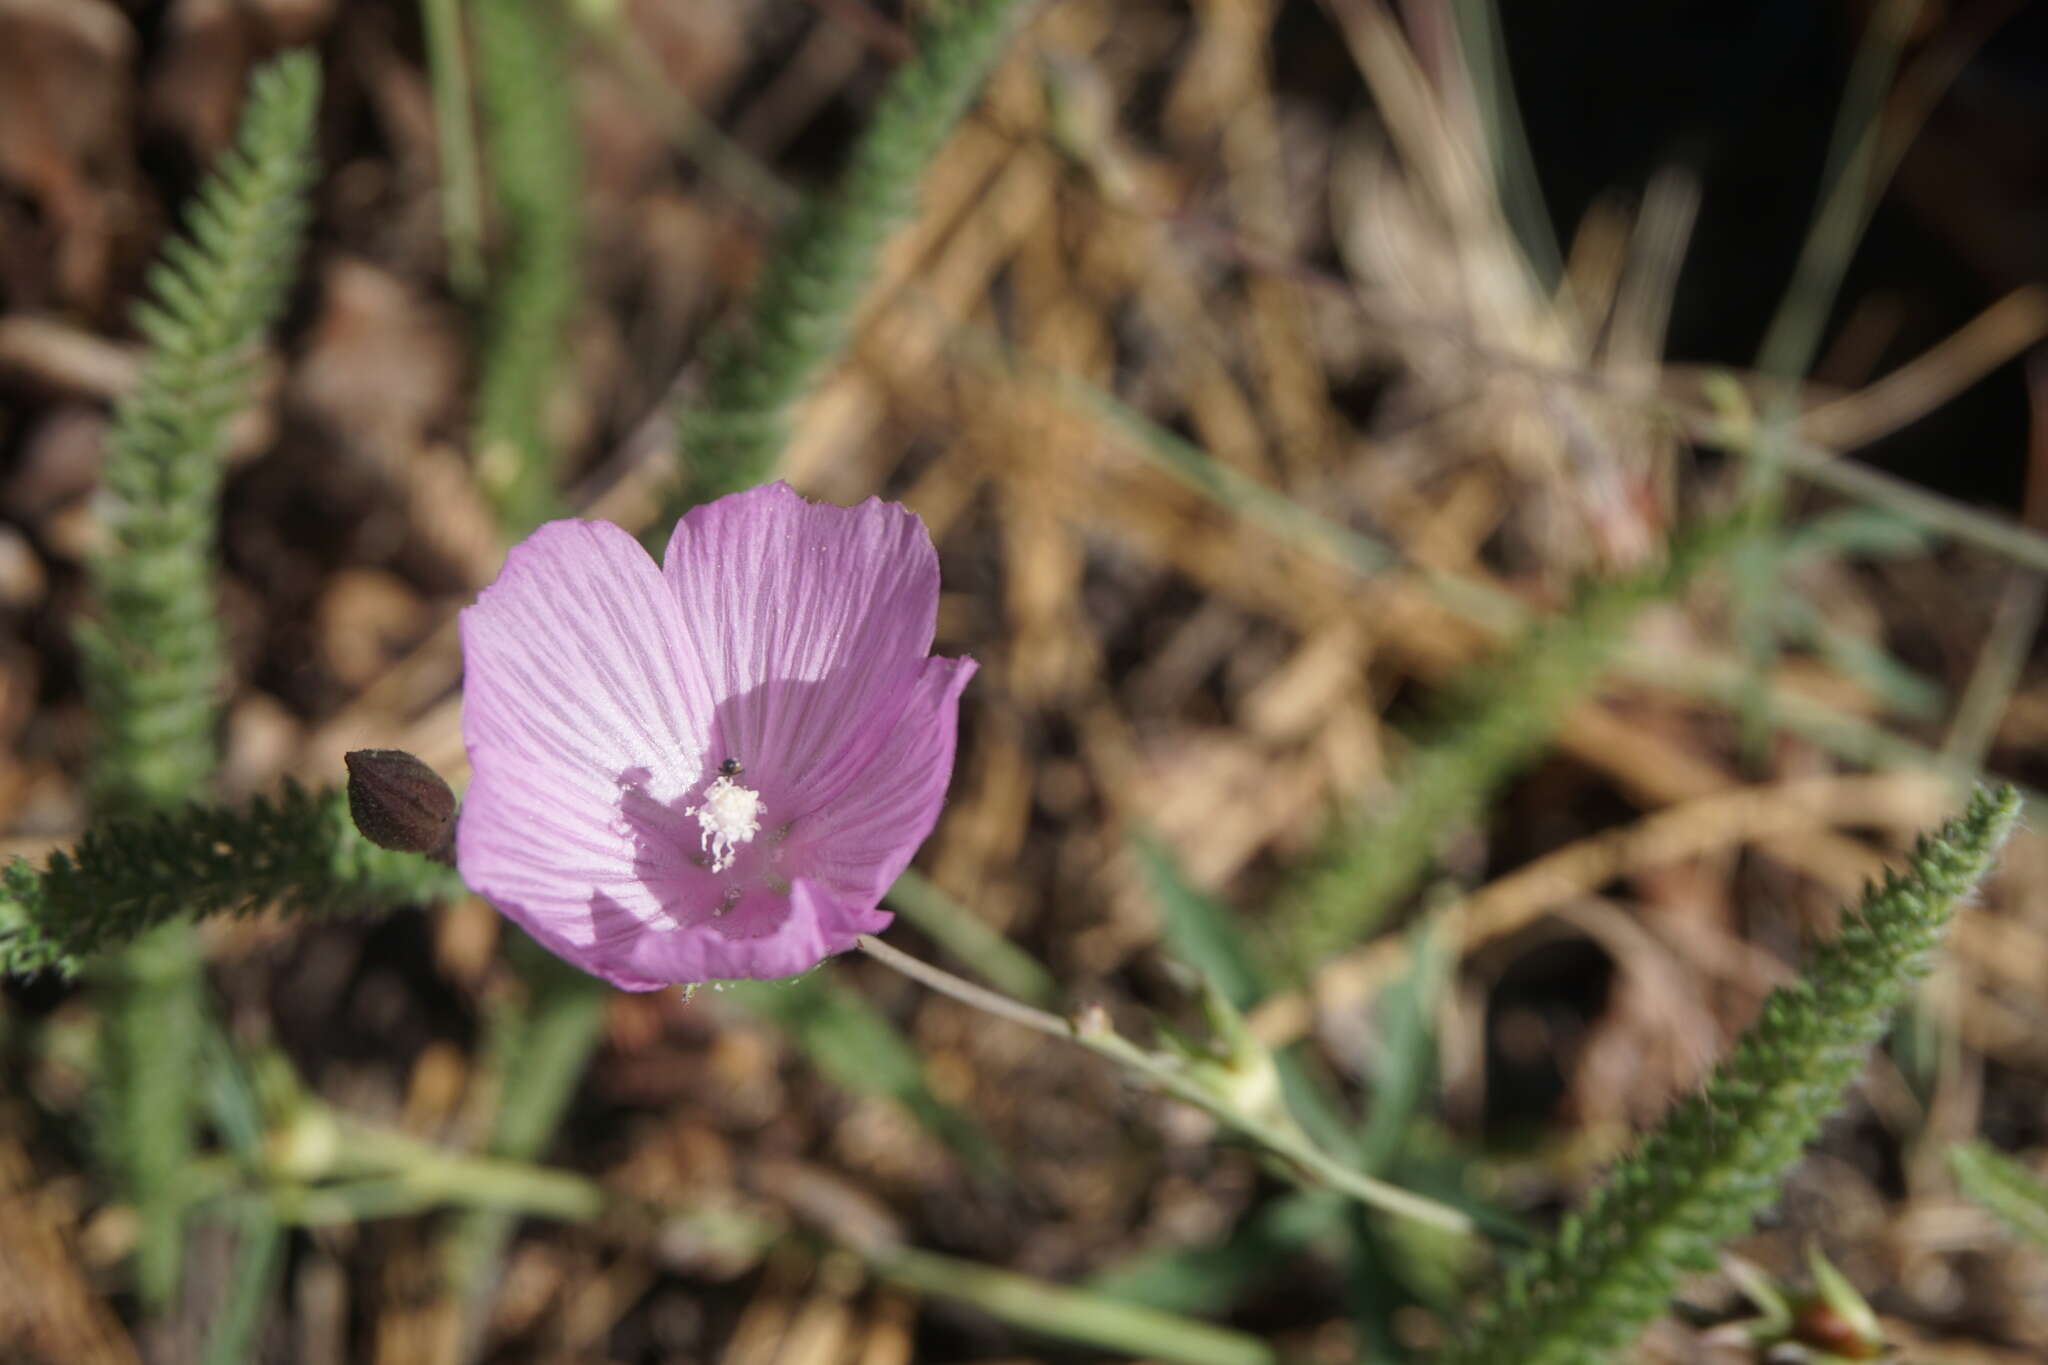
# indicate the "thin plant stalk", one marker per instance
pixel 1997 673
pixel 1098 1037
pixel 723 158
pixel 956 929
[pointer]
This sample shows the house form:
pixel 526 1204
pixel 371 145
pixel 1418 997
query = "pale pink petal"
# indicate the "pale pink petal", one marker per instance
pixel 808 619
pixel 576 689
pixel 875 813
pixel 547 861
pixel 812 924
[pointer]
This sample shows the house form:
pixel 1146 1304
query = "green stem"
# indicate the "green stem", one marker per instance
pixel 956 929
pixel 437 1175
pixel 1098 1037
pixel 297 851
pixel 1825 469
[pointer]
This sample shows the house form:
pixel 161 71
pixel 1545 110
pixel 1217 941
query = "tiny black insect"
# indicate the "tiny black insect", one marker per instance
pixel 731 767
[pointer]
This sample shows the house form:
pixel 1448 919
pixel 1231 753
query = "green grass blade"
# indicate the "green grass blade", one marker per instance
pixel 258 1267
pixel 1995 1181
pixel 1076 1315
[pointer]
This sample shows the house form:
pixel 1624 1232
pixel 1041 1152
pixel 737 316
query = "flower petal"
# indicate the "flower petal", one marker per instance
pixel 815 924
pixel 890 796
pixel 808 619
pixel 578 698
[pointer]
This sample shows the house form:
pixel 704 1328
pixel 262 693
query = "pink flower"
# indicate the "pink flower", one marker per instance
pixel 713 768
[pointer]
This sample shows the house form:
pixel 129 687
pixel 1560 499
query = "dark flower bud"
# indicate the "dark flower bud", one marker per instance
pixel 400 803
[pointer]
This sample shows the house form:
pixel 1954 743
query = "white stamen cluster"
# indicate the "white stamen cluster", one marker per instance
pixel 729 815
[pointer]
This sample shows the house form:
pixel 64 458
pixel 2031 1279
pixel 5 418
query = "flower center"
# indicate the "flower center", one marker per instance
pixel 729 815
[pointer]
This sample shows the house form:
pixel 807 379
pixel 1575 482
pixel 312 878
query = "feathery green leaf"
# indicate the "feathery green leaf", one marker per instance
pixel 1505 711
pixel 298 851
pixel 152 660
pixel 1720 1155
pixel 798 322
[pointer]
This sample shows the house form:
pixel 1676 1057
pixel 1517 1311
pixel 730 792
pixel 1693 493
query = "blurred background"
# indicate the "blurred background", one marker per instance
pixel 1257 365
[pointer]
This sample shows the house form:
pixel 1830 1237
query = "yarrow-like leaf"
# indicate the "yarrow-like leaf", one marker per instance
pixel 712 768
pixel 798 321
pixel 296 851
pixel 1721 1153
pixel 152 660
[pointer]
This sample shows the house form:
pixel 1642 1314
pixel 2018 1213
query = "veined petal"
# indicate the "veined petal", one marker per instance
pixel 808 619
pixel 577 692
pixel 887 801
pixel 577 656
pixel 814 923
pixel 566 868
